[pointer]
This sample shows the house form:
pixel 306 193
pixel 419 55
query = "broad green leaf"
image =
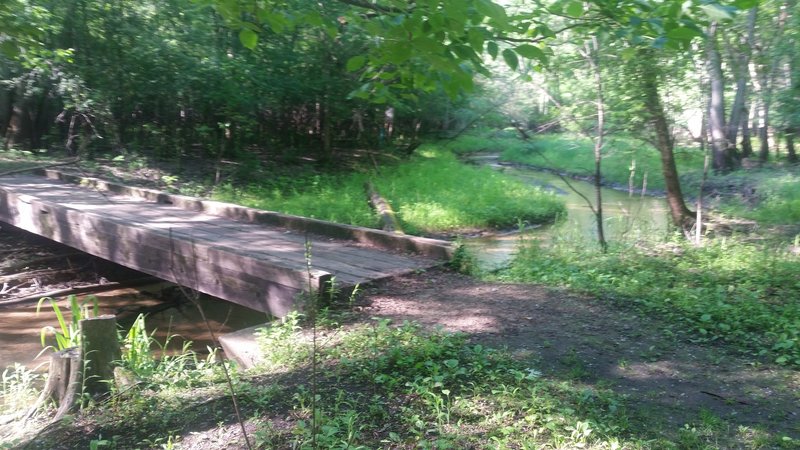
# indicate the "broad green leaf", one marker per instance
pixel 492 10
pixel 462 51
pixel 355 63
pixel 476 38
pixel 683 33
pixel 248 38
pixel 745 4
pixel 492 48
pixel 575 9
pixel 511 58
pixel 531 52
pixel 716 12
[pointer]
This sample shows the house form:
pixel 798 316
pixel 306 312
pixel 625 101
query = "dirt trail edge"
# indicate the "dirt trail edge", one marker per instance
pixel 568 336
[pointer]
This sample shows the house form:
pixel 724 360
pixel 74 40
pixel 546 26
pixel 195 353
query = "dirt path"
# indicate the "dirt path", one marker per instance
pixel 578 338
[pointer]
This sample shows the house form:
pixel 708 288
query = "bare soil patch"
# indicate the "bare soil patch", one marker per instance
pixel 584 339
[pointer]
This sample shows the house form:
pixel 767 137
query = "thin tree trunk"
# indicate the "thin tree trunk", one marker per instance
pixel 592 57
pixel 716 111
pixel 747 145
pixel 790 150
pixel 681 215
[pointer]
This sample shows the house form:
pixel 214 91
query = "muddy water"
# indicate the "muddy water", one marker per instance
pixel 171 317
pixel 625 216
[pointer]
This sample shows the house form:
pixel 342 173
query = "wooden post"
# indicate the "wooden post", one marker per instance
pixel 99 351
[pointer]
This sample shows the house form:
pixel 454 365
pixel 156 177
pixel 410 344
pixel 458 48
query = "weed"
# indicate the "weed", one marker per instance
pixel 68 334
pixel 18 389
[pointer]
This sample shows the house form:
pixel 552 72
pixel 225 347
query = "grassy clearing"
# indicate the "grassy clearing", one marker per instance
pixel 745 294
pixel 434 193
pixel 574 154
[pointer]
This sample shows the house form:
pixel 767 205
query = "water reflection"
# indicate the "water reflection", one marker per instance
pixel 625 216
pixel 168 313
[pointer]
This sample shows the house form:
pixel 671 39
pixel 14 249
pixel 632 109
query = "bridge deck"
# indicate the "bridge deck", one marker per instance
pixel 259 266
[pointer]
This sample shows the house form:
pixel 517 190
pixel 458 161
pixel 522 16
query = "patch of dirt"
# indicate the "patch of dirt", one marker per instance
pixel 581 338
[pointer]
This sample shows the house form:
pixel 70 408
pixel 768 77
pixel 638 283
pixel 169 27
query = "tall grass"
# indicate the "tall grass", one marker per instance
pixel 433 193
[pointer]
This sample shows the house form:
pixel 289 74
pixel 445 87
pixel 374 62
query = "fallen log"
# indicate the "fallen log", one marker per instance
pixel 89 289
pixel 381 206
pixel 37 261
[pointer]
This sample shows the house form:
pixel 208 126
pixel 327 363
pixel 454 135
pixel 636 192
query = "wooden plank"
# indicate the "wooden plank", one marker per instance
pixel 152 252
pixel 429 247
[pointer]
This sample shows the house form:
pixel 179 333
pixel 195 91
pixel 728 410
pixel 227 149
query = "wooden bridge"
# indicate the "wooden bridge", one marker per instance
pixel 255 258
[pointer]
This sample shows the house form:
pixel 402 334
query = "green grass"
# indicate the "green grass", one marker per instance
pixel 728 290
pixel 773 199
pixel 433 193
pixel 574 154
pixel 769 195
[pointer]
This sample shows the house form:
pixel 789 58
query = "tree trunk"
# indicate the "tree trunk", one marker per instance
pixel 790 150
pixel 716 110
pixel 747 145
pixel 592 56
pixel 681 215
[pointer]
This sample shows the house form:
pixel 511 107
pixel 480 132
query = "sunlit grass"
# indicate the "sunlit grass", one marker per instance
pixel 622 156
pixel 775 200
pixel 433 193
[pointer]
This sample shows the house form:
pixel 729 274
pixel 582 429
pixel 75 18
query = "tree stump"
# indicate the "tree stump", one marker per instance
pixel 63 382
pixel 99 351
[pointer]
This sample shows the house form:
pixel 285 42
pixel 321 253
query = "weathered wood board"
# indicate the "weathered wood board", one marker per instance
pixel 176 238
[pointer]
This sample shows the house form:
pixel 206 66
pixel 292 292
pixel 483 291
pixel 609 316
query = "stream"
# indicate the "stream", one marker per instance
pixel 625 215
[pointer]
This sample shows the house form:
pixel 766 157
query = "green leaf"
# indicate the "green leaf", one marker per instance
pixel 745 4
pixel 492 10
pixel 683 33
pixel 531 52
pixel 476 38
pixel 717 12
pixel 356 62
pixel 575 9
pixel 9 49
pixel 492 48
pixel 511 58
pixel 248 38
